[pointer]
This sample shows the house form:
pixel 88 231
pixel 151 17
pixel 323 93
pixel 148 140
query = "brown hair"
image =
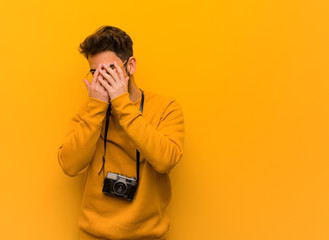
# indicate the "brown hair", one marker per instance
pixel 108 38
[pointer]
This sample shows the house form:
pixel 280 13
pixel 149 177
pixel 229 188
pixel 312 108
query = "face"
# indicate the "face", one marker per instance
pixel 108 57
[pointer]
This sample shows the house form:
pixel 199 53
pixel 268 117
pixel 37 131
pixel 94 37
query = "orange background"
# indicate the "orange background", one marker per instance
pixel 252 79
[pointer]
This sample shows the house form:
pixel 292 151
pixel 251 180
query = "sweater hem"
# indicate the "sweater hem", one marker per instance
pixel 83 235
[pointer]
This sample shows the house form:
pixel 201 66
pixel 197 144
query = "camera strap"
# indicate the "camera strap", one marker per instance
pixel 108 114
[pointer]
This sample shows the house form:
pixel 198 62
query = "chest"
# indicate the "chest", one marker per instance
pixel 116 135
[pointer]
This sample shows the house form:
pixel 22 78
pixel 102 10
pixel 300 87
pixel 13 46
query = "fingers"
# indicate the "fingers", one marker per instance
pixel 87 85
pixel 112 73
pixel 104 83
pixel 107 76
pixel 119 70
pixel 98 83
pixel 94 80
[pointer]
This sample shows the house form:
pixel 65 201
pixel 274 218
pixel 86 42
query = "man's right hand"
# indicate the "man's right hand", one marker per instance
pixel 96 89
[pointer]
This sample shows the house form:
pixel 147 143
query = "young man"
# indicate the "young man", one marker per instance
pixel 139 123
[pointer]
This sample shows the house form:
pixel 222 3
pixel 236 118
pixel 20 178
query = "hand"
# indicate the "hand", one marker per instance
pixel 113 80
pixel 96 89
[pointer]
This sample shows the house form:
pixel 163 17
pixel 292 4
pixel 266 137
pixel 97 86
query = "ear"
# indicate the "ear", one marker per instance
pixel 131 66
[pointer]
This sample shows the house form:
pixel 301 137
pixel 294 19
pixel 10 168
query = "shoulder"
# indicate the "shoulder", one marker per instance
pixel 158 99
pixel 161 103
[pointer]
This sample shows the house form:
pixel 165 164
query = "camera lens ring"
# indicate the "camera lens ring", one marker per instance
pixel 119 188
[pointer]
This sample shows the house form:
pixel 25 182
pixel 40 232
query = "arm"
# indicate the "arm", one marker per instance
pixel 161 146
pixel 79 145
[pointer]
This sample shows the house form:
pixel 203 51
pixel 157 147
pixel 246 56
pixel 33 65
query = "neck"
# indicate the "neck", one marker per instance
pixel 134 92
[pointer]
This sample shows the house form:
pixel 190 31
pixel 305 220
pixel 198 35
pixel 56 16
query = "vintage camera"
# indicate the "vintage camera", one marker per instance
pixel 119 185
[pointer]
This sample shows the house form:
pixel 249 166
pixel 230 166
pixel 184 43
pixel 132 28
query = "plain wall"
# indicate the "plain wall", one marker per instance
pixel 252 79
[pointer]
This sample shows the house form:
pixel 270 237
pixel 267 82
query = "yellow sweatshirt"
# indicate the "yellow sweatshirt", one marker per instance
pixel 157 133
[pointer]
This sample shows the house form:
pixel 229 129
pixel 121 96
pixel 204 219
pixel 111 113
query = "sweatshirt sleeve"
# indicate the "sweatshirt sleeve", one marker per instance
pixel 79 144
pixel 162 147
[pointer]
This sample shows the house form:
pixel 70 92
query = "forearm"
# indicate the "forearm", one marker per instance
pixel 159 150
pixel 162 147
pixel 75 154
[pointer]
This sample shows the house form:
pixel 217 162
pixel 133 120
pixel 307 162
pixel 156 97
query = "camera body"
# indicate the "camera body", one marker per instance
pixel 119 185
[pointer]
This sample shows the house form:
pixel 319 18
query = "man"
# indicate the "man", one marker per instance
pixel 142 121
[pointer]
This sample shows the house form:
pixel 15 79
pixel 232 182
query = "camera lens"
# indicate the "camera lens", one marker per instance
pixel 119 188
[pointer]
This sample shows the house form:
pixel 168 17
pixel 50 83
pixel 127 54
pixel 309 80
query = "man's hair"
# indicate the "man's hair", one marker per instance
pixel 108 38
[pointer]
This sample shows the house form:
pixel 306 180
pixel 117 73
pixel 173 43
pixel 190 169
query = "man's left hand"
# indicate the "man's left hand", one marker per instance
pixel 113 80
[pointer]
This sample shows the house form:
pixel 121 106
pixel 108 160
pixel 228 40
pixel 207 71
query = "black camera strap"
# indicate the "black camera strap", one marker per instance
pixel 108 114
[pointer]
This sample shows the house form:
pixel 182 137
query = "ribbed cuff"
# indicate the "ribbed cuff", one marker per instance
pixel 96 111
